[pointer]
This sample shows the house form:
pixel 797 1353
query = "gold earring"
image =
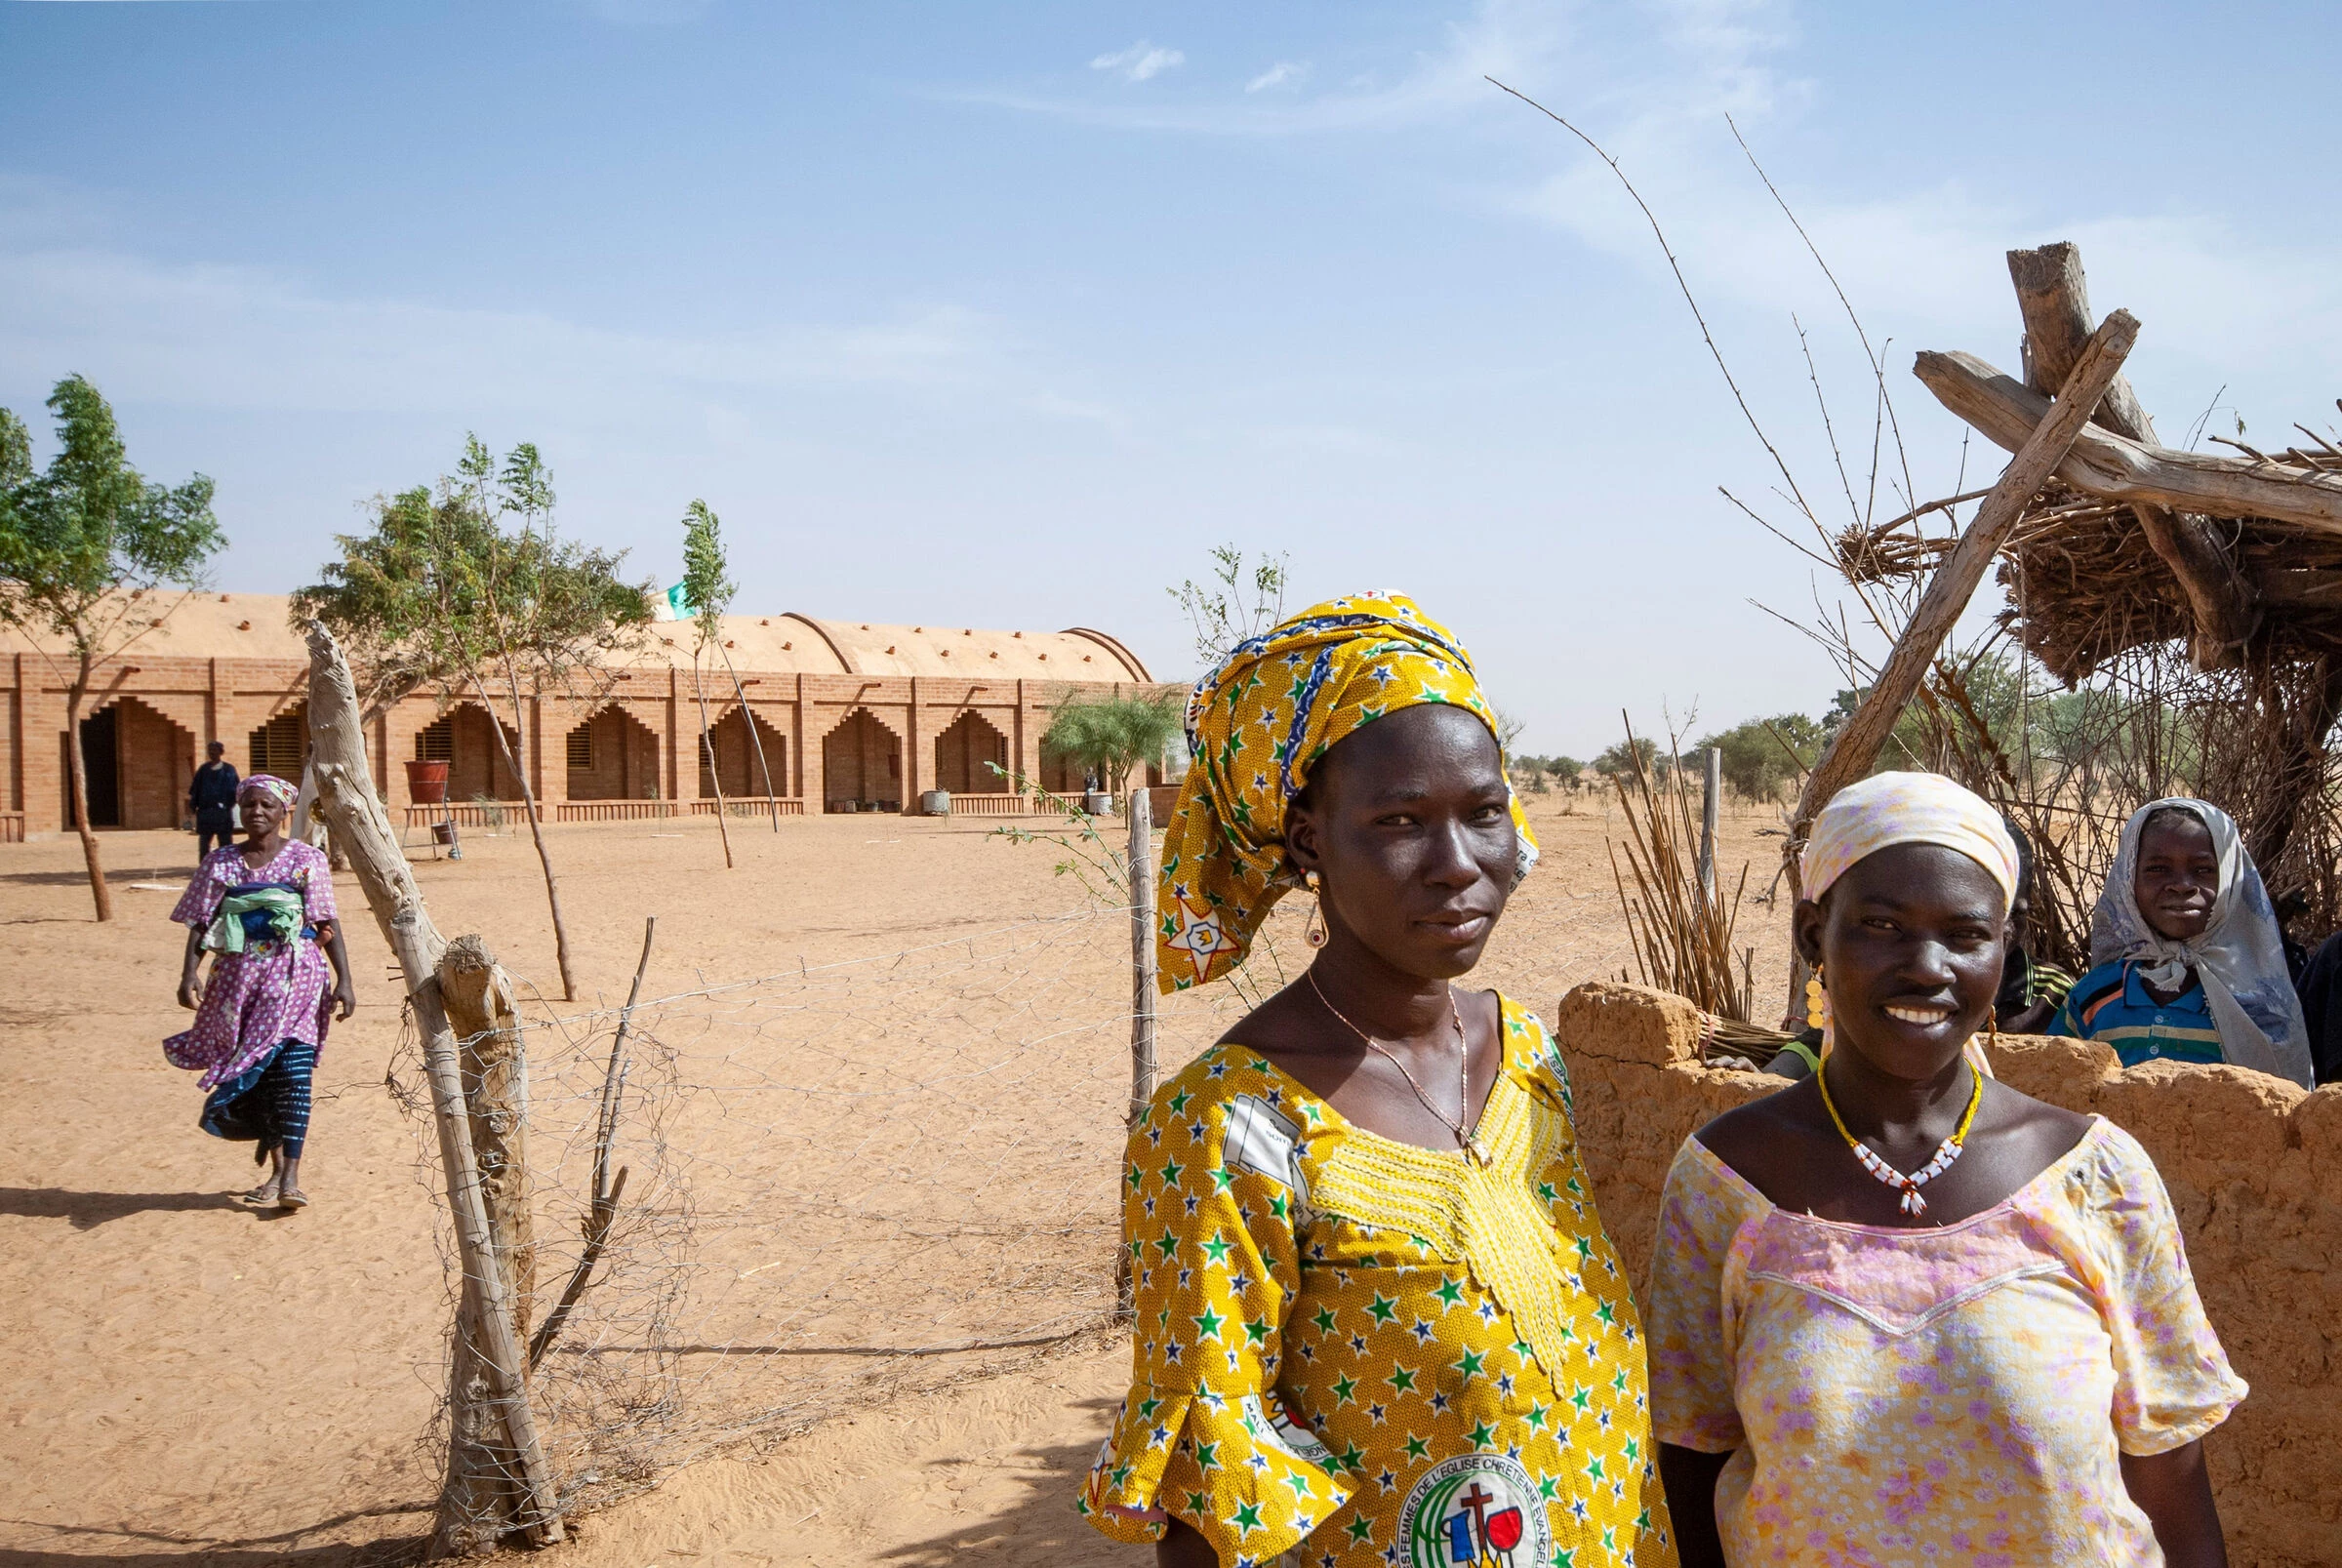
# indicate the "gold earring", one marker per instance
pixel 1313 932
pixel 1817 1001
pixel 1992 1025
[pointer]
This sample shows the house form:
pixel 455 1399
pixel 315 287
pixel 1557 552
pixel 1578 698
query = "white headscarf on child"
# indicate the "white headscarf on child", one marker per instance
pixel 2241 956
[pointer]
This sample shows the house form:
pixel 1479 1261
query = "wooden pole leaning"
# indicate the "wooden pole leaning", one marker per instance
pixel 345 793
pixel 1861 738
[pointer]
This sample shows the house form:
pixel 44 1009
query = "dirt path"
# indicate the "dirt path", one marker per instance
pixel 186 1377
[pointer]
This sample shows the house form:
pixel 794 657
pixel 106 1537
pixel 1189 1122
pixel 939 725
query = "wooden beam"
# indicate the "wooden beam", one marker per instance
pixel 2103 463
pixel 345 793
pixel 1859 739
pixel 2054 298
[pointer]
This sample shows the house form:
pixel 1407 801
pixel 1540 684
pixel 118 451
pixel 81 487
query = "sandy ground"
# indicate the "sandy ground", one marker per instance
pixel 186 1377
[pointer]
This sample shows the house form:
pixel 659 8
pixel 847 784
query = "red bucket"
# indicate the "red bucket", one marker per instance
pixel 426 783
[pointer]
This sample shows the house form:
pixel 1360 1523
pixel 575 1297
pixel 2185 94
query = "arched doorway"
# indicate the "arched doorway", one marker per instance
pixel 613 756
pixel 862 765
pixel 135 765
pixel 475 767
pixel 961 753
pixel 729 755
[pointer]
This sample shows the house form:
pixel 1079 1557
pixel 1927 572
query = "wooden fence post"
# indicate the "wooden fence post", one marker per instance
pixel 1712 790
pixel 485 1323
pixel 481 1502
pixel 1138 813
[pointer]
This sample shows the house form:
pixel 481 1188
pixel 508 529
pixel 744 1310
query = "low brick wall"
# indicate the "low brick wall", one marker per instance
pixel 2254 1166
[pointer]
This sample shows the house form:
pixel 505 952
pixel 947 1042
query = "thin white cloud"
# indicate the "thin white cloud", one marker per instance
pixel 1141 61
pixel 1283 73
pixel 1517 40
pixel 247 338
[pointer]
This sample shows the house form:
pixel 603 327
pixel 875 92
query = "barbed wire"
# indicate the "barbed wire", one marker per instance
pixel 843 1181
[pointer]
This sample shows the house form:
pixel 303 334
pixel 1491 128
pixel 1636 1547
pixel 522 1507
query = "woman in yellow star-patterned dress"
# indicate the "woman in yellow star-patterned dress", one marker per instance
pixel 1378 1322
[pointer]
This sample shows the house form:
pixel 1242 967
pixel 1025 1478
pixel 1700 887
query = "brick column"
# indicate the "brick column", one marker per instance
pixel 912 752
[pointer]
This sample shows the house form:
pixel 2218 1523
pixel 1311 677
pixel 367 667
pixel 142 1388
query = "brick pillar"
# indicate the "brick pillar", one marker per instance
pixel 673 789
pixel 913 753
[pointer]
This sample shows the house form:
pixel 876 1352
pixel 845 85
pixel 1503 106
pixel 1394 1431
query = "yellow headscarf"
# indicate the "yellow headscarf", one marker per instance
pixel 1256 726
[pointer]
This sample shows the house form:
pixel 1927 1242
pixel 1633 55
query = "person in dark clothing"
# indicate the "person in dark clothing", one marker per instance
pixel 2321 991
pixel 212 798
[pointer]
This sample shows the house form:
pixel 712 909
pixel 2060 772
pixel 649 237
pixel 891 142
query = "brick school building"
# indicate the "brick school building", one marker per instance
pixel 849 715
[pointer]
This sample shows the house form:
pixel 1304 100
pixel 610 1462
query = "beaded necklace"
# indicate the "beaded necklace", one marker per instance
pixel 1946 1151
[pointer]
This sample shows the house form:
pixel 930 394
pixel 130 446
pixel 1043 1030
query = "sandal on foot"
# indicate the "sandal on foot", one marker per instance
pixel 262 1195
pixel 292 1197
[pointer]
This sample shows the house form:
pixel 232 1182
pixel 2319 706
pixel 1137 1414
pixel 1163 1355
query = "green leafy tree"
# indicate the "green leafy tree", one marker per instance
pixel 1565 771
pixel 1618 760
pixel 1763 758
pixel 467 588
pixel 88 553
pixel 708 588
pixel 1115 735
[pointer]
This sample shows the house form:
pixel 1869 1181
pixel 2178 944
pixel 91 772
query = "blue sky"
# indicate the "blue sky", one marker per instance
pixel 1006 313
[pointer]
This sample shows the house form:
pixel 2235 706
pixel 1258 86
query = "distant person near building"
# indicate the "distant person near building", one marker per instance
pixel 212 798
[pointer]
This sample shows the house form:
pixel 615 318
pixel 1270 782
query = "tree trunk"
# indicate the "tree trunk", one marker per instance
pixel 489 1386
pixel 771 796
pixel 515 754
pixel 482 1500
pixel 707 759
pixel 77 778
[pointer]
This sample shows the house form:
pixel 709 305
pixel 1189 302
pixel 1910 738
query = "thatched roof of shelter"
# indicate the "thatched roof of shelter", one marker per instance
pixel 2132 542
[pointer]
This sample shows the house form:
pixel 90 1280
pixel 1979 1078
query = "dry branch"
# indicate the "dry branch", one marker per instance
pixel 2055 300
pixel 601 1211
pixel 2103 463
pixel 1856 746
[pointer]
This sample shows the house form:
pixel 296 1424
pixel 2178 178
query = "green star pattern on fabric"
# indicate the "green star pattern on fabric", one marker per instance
pixel 1373 1346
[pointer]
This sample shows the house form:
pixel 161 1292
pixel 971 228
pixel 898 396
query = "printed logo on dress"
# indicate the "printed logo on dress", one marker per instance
pixel 1475 1511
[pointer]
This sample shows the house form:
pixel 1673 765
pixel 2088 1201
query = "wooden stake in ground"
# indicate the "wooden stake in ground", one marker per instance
pixel 1139 812
pixel 482 1016
pixel 345 793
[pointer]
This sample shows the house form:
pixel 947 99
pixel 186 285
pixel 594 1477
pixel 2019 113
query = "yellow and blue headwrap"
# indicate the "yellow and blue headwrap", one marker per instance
pixel 1256 726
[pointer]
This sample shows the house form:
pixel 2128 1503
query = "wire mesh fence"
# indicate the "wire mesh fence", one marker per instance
pixel 841 1181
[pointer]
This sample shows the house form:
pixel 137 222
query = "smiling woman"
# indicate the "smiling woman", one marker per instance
pixel 2187 961
pixel 1901 1313
pixel 1376 1318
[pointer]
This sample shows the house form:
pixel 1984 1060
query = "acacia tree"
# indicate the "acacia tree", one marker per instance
pixel 465 587
pixel 87 550
pixel 708 591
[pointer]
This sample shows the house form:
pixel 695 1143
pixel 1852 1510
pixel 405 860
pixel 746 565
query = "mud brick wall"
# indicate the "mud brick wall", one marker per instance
pixel 2254 1166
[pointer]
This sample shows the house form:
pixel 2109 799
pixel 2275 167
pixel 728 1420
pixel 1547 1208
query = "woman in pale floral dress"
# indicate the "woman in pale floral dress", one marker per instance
pixel 265 907
pixel 1902 1315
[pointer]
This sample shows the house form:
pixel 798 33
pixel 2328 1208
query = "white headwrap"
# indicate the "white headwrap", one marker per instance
pixel 1906 808
pixel 2241 957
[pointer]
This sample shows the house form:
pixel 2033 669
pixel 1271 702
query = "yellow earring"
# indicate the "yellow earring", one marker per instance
pixel 1314 933
pixel 1817 1001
